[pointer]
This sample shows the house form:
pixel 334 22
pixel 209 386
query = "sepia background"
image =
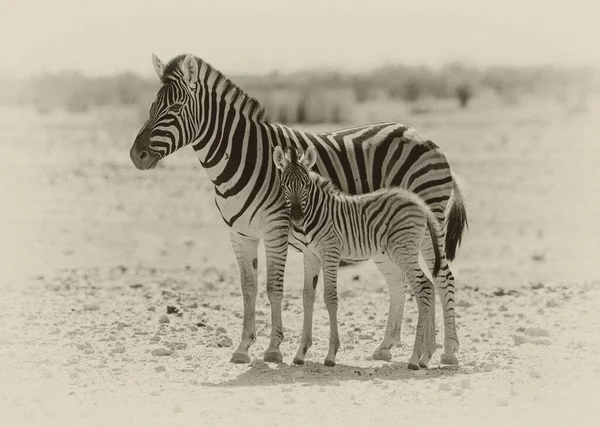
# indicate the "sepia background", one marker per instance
pixel 94 251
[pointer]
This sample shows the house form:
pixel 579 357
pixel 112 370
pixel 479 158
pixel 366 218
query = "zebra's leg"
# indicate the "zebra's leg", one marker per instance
pixel 312 265
pixel 444 286
pixel 330 269
pixel 245 249
pixel 276 245
pixel 406 257
pixel 397 290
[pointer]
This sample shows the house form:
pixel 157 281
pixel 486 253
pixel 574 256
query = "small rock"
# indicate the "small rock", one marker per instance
pixel 535 374
pixel 193 305
pixel 164 319
pixel 537 332
pixel 221 330
pixel 365 336
pixel 91 307
pixel 519 339
pixel 117 350
pixel 502 402
pixel 161 352
pixel 155 393
pixel 369 371
pixel 224 341
pixel 462 303
pixel 172 309
pixel 160 368
pixel 377 381
pixel 445 387
pixel 488 367
pixel 334 382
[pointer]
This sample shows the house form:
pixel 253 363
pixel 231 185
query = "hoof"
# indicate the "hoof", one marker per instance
pixel 383 354
pixel 448 359
pixel 423 365
pixel 273 356
pixel 298 361
pixel 413 367
pixel 240 358
pixel 329 363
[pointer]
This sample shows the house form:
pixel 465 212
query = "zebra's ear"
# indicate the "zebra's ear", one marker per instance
pixel 158 66
pixel 189 67
pixel 279 158
pixel 310 157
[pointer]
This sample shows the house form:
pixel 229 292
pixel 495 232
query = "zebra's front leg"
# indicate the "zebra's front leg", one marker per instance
pixel 397 290
pixel 312 265
pixel 330 269
pixel 276 252
pixel 245 250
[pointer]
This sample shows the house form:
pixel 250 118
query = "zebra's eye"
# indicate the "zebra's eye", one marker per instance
pixel 176 108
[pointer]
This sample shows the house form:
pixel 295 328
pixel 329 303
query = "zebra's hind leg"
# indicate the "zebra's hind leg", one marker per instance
pixel 397 290
pixel 276 245
pixel 406 256
pixel 312 265
pixel 245 250
pixel 444 286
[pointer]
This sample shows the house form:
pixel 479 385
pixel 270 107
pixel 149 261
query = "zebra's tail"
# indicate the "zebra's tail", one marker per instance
pixel 432 226
pixel 456 220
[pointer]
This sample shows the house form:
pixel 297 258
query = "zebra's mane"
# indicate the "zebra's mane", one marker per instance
pixel 326 184
pixel 251 106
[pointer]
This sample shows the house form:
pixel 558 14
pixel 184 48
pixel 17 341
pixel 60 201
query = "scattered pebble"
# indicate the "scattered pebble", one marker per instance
pixel 164 319
pixel 537 332
pixel 161 352
pixel 535 374
pixel 224 341
pixel 117 350
pixel 91 307
pixel 377 381
pixel 488 367
pixel 160 368
pixel 221 330
pixel 155 393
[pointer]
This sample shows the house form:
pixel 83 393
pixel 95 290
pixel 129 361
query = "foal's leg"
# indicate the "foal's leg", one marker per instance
pixel 397 290
pixel 444 286
pixel 312 265
pixel 331 262
pixel 406 256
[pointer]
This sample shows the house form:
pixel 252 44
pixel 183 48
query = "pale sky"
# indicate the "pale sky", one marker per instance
pixel 256 36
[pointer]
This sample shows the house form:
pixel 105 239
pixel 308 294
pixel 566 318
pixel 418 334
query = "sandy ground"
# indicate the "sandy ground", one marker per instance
pixel 120 294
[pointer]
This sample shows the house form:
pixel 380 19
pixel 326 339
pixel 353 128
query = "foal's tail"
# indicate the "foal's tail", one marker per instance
pixel 432 226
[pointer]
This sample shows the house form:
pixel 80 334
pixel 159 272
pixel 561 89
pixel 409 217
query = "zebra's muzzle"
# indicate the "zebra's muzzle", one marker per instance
pixel 143 157
pixel 296 213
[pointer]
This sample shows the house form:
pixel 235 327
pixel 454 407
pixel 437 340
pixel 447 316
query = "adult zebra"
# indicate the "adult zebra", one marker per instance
pixel 234 140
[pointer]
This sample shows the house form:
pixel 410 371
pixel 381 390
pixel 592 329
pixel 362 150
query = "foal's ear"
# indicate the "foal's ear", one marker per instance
pixel 279 158
pixel 310 157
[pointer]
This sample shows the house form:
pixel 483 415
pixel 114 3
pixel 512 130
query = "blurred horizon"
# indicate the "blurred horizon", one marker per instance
pixel 238 38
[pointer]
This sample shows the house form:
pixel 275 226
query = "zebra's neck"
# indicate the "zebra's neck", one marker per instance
pixel 229 119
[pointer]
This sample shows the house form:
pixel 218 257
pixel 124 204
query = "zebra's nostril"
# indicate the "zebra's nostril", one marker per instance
pixel 143 155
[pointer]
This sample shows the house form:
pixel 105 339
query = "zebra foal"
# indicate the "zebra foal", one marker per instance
pixel 387 225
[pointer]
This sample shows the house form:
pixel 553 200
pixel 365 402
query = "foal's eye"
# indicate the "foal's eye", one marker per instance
pixel 176 108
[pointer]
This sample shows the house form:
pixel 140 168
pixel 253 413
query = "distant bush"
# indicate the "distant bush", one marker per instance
pixel 464 92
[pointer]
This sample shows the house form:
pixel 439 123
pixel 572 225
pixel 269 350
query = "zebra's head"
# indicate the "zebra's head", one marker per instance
pixel 295 179
pixel 172 121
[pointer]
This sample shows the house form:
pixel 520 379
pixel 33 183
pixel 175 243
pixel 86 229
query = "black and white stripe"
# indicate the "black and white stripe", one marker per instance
pixel 234 140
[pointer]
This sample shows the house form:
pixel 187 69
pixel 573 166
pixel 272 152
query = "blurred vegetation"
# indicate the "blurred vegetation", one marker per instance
pixel 315 96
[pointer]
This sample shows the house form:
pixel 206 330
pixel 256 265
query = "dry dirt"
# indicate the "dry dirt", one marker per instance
pixel 120 293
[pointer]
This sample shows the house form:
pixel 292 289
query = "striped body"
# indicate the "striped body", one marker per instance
pixel 234 141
